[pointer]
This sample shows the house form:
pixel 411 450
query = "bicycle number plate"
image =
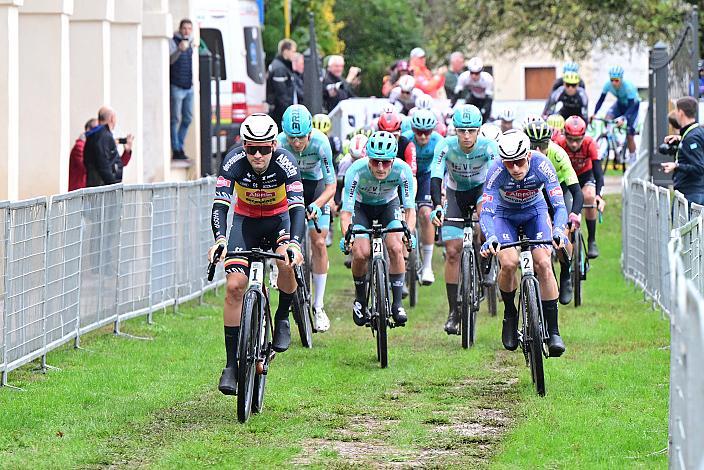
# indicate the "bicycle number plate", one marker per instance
pixel 526 263
pixel 467 237
pixel 377 248
pixel 256 273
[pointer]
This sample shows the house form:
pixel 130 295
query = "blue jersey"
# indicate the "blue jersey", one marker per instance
pixel 503 194
pixel 315 161
pixel 424 155
pixel 362 186
pixel 627 91
pixel 465 171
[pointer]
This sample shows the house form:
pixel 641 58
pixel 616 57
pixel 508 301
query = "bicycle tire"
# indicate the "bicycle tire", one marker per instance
pixel 492 290
pixel 534 336
pixel 248 353
pixel 474 289
pixel 260 379
pixel 381 306
pixel 464 301
pixel 302 313
pixel 576 274
pixel 603 146
pixel 412 277
pixel 624 148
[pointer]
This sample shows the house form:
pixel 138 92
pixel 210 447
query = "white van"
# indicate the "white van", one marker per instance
pixel 231 28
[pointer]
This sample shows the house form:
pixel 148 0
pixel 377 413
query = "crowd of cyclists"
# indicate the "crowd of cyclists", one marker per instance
pixel 426 167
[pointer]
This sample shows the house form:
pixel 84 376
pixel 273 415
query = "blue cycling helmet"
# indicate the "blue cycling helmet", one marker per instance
pixel 382 145
pixel 297 121
pixel 616 72
pixel 570 67
pixel 424 119
pixel 467 116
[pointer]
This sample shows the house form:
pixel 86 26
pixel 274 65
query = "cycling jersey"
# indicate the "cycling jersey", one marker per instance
pixel 406 124
pixel 407 153
pixel 404 103
pixel 626 92
pixel 363 187
pixel 315 161
pixel 424 154
pixel 561 161
pixel 480 88
pixel 581 159
pixel 575 105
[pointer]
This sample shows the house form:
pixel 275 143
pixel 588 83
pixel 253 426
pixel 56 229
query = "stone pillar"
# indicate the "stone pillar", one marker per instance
pixel 9 103
pixel 127 97
pixel 156 33
pixel 44 92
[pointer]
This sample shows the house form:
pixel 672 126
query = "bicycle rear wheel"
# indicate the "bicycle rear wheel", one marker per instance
pixel 577 253
pixel 302 312
pixel 412 277
pixel 604 148
pixel 534 336
pixel 381 314
pixel 248 353
pixel 465 301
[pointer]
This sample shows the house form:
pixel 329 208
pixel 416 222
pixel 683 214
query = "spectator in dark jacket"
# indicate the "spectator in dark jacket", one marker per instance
pixel 688 167
pixel 335 89
pixel 280 84
pixel 456 68
pixel 298 65
pixel 102 160
pixel 181 79
pixel 76 167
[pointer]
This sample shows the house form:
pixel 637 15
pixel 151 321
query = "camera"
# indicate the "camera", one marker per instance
pixel 668 149
pixel 333 86
pixel 122 140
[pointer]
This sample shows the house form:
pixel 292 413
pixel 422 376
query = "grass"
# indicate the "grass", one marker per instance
pixel 130 403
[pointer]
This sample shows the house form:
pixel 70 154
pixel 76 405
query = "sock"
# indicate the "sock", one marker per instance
pixel 284 304
pixel 360 288
pixel 509 306
pixel 631 155
pixel 550 314
pixel 591 230
pixel 452 296
pixel 232 337
pixel 319 281
pixel 428 256
pixel 397 281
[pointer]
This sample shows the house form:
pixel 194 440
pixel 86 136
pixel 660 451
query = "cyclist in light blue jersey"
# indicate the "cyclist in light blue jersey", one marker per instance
pixel 312 151
pixel 423 135
pixel 372 186
pixel 462 162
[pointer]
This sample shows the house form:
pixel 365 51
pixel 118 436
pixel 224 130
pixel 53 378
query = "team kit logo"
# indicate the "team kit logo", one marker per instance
pixel 520 196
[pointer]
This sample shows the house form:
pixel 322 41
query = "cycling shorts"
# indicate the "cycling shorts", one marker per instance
pixel 423 190
pixel 587 178
pixel 266 233
pixel 388 215
pixel 535 221
pixel 618 110
pixel 312 189
pixel 460 204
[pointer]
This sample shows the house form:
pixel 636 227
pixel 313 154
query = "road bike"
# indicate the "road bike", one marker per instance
pixel 302 305
pixel 611 144
pixel 580 264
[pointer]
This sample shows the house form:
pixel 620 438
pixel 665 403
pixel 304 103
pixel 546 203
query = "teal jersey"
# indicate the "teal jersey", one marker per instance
pixel 363 187
pixel 424 155
pixel 405 124
pixel 627 91
pixel 315 161
pixel 463 171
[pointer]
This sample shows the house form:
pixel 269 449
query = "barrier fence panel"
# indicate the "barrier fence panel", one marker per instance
pixel 635 264
pixel 207 193
pixel 4 219
pixel 663 229
pixel 163 254
pixel 188 274
pixel 680 211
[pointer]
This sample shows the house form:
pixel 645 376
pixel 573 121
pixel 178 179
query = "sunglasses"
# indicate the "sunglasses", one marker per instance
pixel 297 139
pixel 615 80
pixel 515 163
pixel 466 130
pixel 571 85
pixel 263 149
pixel 383 163
pixel 422 132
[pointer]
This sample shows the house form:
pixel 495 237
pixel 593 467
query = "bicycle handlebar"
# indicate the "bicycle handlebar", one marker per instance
pixel 525 242
pixel 315 221
pixel 214 263
pixel 377 231
pixel 256 254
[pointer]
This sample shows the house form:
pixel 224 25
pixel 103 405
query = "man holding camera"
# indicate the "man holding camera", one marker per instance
pixel 335 89
pixel 181 80
pixel 688 149
pixel 101 158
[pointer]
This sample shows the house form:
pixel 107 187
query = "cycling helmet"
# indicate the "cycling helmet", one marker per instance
pixel 570 67
pixel 323 123
pixel 297 121
pixel 475 65
pixel 382 146
pixel 538 131
pixel 556 121
pixel 507 115
pixel 575 126
pixel 530 118
pixel 407 83
pixel 424 102
pixel 700 64
pixel 424 119
pixel 616 72
pixel 513 145
pixel 388 108
pixel 571 78
pixel 490 131
pixel 358 146
pixel 258 127
pixel 389 122
pixel 467 116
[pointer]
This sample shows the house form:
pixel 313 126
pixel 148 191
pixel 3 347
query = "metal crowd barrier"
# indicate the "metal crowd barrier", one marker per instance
pixel 76 262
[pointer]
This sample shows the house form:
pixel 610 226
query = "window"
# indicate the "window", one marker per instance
pixel 213 40
pixel 255 54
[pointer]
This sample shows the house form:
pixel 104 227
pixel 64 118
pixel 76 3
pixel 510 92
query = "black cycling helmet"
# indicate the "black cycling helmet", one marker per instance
pixel 538 132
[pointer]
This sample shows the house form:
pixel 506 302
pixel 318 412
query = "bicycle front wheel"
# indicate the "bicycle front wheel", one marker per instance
pixel 465 300
pixel 248 353
pixel 534 340
pixel 381 314
pixel 577 254
pixel 604 148
pixel 302 313
pixel 412 277
pixel 492 289
pixel 260 379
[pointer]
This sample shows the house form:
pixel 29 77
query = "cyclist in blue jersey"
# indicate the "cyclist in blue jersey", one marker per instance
pixel 426 140
pixel 372 187
pixel 314 155
pixel 513 197
pixel 462 162
pixel 626 106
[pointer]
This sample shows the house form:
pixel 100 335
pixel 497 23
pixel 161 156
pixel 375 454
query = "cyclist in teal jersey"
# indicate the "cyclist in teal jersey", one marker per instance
pixel 314 156
pixel 372 187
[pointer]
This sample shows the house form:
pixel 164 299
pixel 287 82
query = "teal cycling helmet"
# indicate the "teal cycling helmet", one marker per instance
pixel 570 67
pixel 616 72
pixel 424 119
pixel 382 145
pixel 467 116
pixel 297 121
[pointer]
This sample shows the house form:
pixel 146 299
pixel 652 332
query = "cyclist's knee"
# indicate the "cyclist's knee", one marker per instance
pixel 236 285
pixel 543 264
pixel 509 265
pixel 452 251
pixel 395 248
pixel 318 242
pixel 589 194
pixel 360 251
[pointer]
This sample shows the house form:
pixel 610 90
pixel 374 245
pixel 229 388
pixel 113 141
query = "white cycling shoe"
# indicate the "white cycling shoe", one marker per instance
pixel 321 322
pixel 427 277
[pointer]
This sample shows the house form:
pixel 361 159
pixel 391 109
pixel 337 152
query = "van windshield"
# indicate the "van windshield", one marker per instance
pixel 255 54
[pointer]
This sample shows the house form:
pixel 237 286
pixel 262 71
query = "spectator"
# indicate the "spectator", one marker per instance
pixel 76 167
pixel 298 64
pixel 102 160
pixel 281 83
pixel 426 81
pixel 335 89
pixel 688 167
pixel 397 70
pixel 456 68
pixel 700 66
pixel 181 79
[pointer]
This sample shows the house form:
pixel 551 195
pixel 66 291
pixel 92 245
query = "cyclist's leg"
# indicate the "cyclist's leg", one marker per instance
pixel 278 235
pixel 427 230
pixel 505 230
pixel 319 253
pixel 586 181
pixel 391 217
pixel 631 120
pixel 361 251
pixel 452 237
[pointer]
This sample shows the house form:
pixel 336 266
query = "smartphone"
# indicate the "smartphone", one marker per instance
pixel 122 140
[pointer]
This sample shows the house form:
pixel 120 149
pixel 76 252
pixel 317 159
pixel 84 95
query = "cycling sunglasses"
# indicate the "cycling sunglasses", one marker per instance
pixel 263 149
pixel 615 80
pixel 574 139
pixel 422 132
pixel 383 163
pixel 296 139
pixel 466 130
pixel 515 163
pixel 570 85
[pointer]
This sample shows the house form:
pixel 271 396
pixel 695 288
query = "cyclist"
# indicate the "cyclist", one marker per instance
pixel 462 161
pixel 391 122
pixel 312 151
pixel 479 85
pixel 513 197
pixel 507 117
pixel 626 106
pixel 266 187
pixel 356 150
pixel 372 186
pixel 404 96
pixel 490 131
pixel 584 157
pixel 569 99
pixel 568 67
pixel 425 140
pixel 539 135
pixel 323 123
pixel 700 66
pixel 556 122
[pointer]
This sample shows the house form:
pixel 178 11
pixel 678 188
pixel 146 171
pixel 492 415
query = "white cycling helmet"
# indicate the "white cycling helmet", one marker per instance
pixel 258 127
pixel 358 146
pixel 490 131
pixel 513 145
pixel 531 118
pixel 475 65
pixel 424 102
pixel 407 83
pixel 507 115
pixel 388 108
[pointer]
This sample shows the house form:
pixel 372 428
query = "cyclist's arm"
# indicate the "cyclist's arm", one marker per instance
pixel 554 192
pixel 550 103
pixel 596 166
pixel 328 175
pixel 585 103
pixel 296 206
pixel 408 189
pixel 599 102
pixel 409 156
pixel 222 201
pixel 577 198
pixel 437 173
pixel 490 199
pixel 489 90
pixel 461 81
pixel 349 196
